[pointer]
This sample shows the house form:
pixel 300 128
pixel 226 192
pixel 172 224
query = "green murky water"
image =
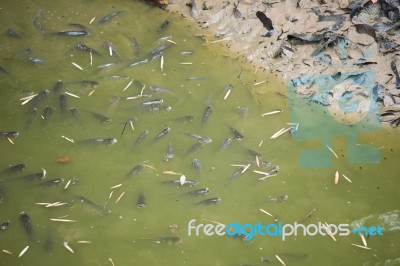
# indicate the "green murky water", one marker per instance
pixel 117 237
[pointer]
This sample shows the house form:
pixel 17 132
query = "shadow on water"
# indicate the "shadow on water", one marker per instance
pixel 175 82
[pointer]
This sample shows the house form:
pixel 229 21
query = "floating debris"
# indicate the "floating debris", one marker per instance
pixel 77 66
pixel 23 251
pixel 272 112
pixel 62 220
pixel 334 153
pixel 336 181
pixel 267 213
pixel 68 247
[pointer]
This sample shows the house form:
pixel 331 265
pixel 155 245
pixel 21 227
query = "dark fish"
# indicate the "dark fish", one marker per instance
pixel 158 89
pixel 4 71
pixel 11 32
pixel 267 23
pixel 80 26
pixel 135 45
pixel 270 173
pixel 226 143
pixel 109 16
pixel 198 192
pixel 36 60
pixel 93 205
pixel 139 62
pixel 163 25
pixel 168 240
pixel 186 118
pixel 169 153
pixel 207 112
pixel 31 115
pixel 9 134
pixel 85 48
pixel 101 118
pixel 141 201
pixel 26 51
pixel 186 53
pixel 107 141
pixel 15 168
pixel 63 102
pixel 39 176
pixel 396 73
pixel 135 170
pixel 58 86
pixel 47 113
pixel 75 113
pixel 308 215
pixel 195 147
pixel 236 134
pixel 73 33
pixel 36 23
pixel 160 49
pixel 107 65
pixel 196 164
pixel 277 199
pixel 210 201
pixel 89 83
pixel 141 137
pixel 4 225
pixel 38 98
pixel 52 182
pixel 26 222
pixel 162 134
pixel 265 259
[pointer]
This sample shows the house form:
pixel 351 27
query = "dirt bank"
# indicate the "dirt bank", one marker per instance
pixel 308 38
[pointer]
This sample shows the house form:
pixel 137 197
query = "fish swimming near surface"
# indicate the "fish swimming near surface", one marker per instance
pixel 168 240
pixel 4 225
pixel 26 222
pixel 207 112
pixel 47 113
pixel 162 134
pixel 198 192
pixel 135 170
pixel 63 102
pixel 141 137
pixel 210 201
pixel 15 168
pixel 169 153
pixel 109 16
pixel 11 32
pixel 98 208
pixel 106 141
pixel 9 134
pixel 141 201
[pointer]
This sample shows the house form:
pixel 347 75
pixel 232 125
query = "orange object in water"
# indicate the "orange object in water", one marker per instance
pixel 63 159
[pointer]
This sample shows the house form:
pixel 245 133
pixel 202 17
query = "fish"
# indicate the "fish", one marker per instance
pixel 210 201
pixel 39 98
pixel 26 51
pixel 139 62
pixel 63 102
pixel 58 86
pixel 135 45
pixel 89 83
pixel 226 143
pixel 162 134
pixel 202 139
pixel 36 24
pixel 151 104
pixel 47 112
pixel 198 192
pixel 93 205
pixel 158 89
pixel 270 173
pixel 237 135
pixel 101 118
pixel 195 147
pixel 80 26
pixel 135 170
pixel 31 115
pixel 72 33
pixel 196 164
pixel 164 25
pixel 277 199
pixel 168 240
pixel 187 53
pixel 159 50
pixel 308 215
pixel 26 222
pixel 4 71
pixel 36 60
pixel 169 153
pixel 11 32
pixel 109 16
pixel 4 225
pixel 206 115
pixel 185 182
pixel 75 113
pixel 106 141
pixel 85 48
pixel 267 23
pixel 141 137
pixel 108 65
pixel 141 201
pixel 9 134
pixel 52 182
pixel 15 168
pixel 33 176
pixel 186 118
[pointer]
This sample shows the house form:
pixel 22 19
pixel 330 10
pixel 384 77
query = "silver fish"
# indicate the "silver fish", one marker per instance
pixel 196 164
pixel 107 141
pixel 277 199
pixel 169 153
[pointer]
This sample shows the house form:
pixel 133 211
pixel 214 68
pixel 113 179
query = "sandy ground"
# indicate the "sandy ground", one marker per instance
pixel 244 35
